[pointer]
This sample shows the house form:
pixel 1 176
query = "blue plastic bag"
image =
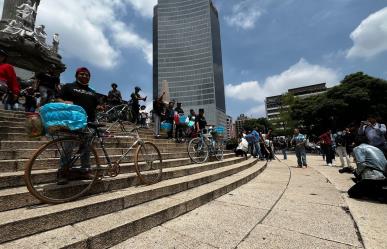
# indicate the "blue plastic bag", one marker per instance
pixel 72 117
pixel 165 126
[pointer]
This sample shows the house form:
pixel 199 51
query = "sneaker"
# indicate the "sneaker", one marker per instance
pixel 61 178
pixel 329 164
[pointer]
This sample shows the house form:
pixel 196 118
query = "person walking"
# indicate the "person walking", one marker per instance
pixel 114 96
pixel 9 85
pixel 283 145
pixel 136 97
pixel 48 84
pixel 299 141
pixel 341 150
pixel 326 144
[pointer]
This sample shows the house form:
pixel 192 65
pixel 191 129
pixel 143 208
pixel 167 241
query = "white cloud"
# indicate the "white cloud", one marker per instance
pixel 89 30
pixel 258 110
pixel 145 7
pixel 244 15
pixel 369 38
pixel 300 74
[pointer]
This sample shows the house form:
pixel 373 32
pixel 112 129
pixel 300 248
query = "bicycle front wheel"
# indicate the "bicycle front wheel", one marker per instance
pixel 198 150
pixel 62 170
pixel 148 163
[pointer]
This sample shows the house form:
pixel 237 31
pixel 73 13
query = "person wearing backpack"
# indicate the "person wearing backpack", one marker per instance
pixel 341 144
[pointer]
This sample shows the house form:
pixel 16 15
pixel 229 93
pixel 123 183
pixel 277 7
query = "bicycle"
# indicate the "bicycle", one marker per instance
pixel 121 112
pixel 71 152
pixel 205 145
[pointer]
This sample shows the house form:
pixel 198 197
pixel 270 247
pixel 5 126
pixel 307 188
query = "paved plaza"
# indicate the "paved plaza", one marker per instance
pixel 284 207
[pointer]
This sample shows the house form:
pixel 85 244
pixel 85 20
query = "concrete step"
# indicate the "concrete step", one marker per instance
pixel 12 119
pixel 109 143
pixel 16 197
pixel 27 153
pixel 22 136
pixel 19 164
pixel 16 179
pixel 111 218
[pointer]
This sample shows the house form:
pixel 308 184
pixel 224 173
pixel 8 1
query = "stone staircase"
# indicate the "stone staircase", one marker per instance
pixel 116 208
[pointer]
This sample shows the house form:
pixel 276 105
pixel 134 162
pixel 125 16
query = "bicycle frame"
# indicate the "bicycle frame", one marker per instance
pixel 132 134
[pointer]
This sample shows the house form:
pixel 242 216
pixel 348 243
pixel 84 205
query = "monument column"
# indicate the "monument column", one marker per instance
pixel 9 9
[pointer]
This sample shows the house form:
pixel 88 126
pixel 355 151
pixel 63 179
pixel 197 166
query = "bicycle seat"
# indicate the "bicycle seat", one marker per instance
pixel 95 125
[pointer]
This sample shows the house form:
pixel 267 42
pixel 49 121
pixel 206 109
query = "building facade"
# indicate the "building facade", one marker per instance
pixel 239 124
pixel 229 128
pixel 274 105
pixel 187 53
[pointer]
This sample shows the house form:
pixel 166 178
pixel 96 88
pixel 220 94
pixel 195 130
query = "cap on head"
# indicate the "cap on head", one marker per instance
pixel 114 85
pixel 80 70
pixel 137 88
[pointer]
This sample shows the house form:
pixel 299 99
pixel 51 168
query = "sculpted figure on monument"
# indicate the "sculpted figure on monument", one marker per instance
pixel 40 34
pixel 55 43
pixel 26 13
pixel 15 28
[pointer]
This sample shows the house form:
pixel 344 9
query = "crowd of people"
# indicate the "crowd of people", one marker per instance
pixel 366 144
pixel 174 119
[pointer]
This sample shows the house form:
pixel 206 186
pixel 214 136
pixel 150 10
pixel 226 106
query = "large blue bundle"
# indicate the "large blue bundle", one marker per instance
pixel 165 126
pixel 72 117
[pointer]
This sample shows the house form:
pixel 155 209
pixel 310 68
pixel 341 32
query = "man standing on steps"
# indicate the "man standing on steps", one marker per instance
pixel 48 84
pixel 8 82
pixel 136 97
pixel 79 93
pixel 114 96
pixel 299 140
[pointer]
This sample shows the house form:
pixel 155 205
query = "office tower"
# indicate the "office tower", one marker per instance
pixel 187 53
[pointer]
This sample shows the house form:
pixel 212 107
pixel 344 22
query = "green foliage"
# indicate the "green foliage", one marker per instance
pixel 358 96
pixel 262 124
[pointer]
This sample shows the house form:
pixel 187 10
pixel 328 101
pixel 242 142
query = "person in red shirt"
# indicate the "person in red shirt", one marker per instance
pixel 8 82
pixel 326 145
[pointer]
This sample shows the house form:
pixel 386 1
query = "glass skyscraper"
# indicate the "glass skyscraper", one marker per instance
pixel 187 53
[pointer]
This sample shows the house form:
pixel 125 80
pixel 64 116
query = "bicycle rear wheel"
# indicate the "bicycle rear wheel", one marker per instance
pixel 219 151
pixel 197 150
pixel 148 163
pixel 75 163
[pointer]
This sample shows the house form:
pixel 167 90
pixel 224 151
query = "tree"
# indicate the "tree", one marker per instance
pixel 263 124
pixel 357 96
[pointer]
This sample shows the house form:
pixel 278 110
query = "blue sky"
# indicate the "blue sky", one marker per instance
pixel 268 46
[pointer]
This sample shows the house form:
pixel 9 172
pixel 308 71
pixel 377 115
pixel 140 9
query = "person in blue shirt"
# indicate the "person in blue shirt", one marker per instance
pixel 299 140
pixel 254 139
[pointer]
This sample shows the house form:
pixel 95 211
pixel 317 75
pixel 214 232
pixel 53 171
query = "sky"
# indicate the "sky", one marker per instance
pixel 268 46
